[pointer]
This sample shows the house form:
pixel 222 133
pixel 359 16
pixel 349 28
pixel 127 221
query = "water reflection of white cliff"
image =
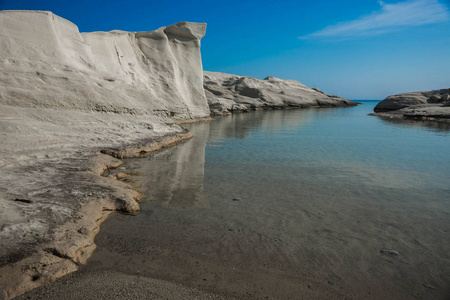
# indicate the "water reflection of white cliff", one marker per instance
pixel 175 176
pixel 241 125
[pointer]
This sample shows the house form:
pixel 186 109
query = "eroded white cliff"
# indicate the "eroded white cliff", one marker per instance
pixel 46 62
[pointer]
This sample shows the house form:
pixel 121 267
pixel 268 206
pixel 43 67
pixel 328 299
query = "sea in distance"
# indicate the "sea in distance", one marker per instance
pixel 326 203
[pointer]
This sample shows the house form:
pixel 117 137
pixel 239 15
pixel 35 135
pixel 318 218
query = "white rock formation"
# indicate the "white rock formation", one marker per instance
pixel 227 93
pixel 46 62
pixel 58 86
pixel 63 97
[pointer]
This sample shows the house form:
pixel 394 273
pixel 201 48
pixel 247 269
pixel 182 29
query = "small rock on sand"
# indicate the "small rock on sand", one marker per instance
pixel 121 175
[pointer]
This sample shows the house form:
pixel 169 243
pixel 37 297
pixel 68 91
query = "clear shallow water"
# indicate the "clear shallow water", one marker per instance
pixel 293 204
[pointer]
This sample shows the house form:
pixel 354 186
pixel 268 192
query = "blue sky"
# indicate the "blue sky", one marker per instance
pixel 364 49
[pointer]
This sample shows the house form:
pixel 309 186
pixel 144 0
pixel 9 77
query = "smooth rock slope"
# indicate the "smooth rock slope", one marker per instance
pixel 228 93
pixel 430 105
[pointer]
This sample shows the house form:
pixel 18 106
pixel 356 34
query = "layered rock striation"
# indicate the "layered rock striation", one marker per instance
pixel 430 105
pixel 228 93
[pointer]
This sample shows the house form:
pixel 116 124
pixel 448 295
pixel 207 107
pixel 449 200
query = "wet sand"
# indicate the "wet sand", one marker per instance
pixel 251 208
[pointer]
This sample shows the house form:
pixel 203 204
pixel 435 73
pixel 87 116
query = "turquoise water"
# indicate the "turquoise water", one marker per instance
pixel 293 204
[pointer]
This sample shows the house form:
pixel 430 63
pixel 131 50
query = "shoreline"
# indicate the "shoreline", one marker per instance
pixel 72 242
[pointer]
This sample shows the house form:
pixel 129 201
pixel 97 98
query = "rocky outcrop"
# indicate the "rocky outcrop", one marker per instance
pixel 431 105
pixel 228 93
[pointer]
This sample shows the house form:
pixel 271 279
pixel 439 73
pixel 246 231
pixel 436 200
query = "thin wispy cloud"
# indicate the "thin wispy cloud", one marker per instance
pixel 391 17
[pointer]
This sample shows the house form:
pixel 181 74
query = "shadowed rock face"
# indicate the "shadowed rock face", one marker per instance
pixel 227 93
pixel 419 105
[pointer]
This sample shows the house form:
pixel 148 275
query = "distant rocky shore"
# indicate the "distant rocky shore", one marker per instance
pixel 228 93
pixel 430 105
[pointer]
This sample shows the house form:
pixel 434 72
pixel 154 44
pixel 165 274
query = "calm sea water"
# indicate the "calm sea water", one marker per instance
pixel 293 204
pixel 304 197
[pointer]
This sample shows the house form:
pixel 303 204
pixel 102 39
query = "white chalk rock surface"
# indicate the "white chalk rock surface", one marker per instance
pixel 227 93
pixel 46 62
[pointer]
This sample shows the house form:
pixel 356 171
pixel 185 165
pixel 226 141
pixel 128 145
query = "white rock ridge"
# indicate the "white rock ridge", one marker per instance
pixel 230 93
